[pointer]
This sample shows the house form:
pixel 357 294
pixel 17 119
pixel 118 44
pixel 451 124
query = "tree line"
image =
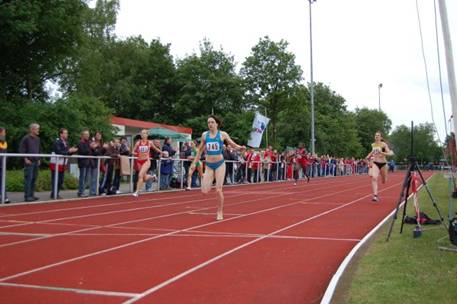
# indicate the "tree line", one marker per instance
pixel 46 44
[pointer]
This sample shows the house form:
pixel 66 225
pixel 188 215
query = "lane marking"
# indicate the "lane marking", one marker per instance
pixel 73 290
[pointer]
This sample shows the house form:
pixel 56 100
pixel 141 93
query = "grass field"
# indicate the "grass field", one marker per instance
pixel 408 270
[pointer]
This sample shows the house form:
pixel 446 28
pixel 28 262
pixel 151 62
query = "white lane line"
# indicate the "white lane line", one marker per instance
pixel 25 234
pixel 73 290
pixel 132 201
pixel 212 213
pixel 226 253
pixel 195 233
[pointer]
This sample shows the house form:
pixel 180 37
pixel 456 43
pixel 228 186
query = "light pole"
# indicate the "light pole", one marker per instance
pixel 379 96
pixel 311 87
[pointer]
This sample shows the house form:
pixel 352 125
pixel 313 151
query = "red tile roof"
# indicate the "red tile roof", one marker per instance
pixel 147 125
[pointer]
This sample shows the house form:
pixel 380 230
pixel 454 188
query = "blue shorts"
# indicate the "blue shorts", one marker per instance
pixel 215 165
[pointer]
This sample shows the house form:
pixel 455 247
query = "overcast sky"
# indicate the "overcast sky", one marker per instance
pixel 357 44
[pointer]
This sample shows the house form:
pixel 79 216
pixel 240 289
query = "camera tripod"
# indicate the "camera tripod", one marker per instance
pixel 404 193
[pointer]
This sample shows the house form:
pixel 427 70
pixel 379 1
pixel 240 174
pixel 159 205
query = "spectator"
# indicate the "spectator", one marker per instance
pixel 187 155
pixel 86 165
pixel 112 167
pixel 124 170
pixel 155 157
pixel 167 147
pixel 198 169
pixel 3 149
pixel 30 144
pixel 391 165
pixel 125 147
pixel 230 155
pixel 166 169
pixel 97 149
pixel 60 147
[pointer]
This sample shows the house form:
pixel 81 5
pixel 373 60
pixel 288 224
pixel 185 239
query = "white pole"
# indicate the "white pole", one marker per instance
pixel 449 59
pixel 56 177
pixel 3 185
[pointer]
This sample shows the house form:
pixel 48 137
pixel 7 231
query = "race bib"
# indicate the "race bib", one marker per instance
pixel 143 149
pixel 212 147
pixel 377 150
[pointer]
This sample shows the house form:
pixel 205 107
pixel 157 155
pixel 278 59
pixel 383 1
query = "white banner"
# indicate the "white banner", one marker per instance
pixel 258 127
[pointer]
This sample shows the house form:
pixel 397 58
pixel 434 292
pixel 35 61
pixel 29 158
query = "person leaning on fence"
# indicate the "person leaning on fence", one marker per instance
pixel 60 147
pixel 112 168
pixel 3 149
pixel 30 144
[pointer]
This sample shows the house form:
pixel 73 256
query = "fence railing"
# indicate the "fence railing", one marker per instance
pixel 237 171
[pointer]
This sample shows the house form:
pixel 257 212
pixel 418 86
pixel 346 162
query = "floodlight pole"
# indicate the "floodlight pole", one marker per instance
pixel 379 96
pixel 311 86
pixel 449 59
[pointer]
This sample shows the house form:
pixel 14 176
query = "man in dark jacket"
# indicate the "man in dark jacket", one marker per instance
pixel 3 147
pixel 30 144
pixel 60 147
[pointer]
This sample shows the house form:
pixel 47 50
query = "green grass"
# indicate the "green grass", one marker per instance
pixel 408 270
pixel 15 181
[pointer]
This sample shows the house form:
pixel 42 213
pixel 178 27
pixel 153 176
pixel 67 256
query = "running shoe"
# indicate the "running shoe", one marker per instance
pixel 375 198
pixel 188 188
pixel 135 194
pixel 219 216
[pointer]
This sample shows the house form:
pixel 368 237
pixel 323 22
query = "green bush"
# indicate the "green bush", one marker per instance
pixel 15 181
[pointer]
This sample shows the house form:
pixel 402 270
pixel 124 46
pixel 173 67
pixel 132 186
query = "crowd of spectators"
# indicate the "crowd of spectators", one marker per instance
pixel 102 176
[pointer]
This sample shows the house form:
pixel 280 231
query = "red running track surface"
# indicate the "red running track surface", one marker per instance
pixel 278 243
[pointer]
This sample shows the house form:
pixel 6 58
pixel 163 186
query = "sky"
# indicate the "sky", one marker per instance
pixel 357 44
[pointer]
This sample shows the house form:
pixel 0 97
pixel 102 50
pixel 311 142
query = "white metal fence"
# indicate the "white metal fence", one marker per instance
pixel 237 172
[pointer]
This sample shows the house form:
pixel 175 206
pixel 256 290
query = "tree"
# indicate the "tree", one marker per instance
pixel 426 147
pixel 37 37
pixel 207 83
pixel 270 76
pixel 294 121
pixel 368 123
pixel 73 113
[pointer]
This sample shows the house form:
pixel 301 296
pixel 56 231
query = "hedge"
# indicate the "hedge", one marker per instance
pixel 15 181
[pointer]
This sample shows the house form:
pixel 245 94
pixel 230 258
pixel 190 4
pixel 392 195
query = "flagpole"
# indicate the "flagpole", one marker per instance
pixel 266 129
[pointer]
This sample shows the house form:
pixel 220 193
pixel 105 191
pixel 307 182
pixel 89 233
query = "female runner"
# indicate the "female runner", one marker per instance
pixel 212 141
pixel 142 163
pixel 378 163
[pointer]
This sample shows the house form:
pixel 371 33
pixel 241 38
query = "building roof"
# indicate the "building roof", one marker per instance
pixel 147 124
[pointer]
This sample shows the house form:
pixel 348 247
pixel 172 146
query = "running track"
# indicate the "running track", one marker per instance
pixel 278 243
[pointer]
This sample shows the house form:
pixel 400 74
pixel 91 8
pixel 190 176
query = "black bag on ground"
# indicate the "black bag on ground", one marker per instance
pixel 424 220
pixel 453 231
